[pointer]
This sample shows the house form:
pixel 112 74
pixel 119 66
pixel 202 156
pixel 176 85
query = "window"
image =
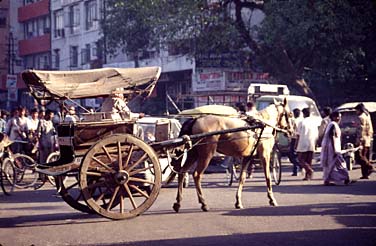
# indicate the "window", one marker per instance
pixel 91 15
pixel 74 18
pixel 56 58
pixel 85 54
pixel 3 18
pixel 59 24
pixel 73 56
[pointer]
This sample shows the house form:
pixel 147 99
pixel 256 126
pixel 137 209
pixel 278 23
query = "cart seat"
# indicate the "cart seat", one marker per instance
pixel 103 116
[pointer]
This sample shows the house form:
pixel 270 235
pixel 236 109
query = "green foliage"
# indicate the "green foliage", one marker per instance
pixel 334 39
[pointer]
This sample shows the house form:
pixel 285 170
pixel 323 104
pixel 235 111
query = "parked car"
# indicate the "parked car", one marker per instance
pixel 349 124
pixel 299 102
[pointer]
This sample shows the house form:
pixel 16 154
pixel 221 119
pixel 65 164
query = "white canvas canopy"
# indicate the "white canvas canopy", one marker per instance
pixel 47 85
pixel 220 110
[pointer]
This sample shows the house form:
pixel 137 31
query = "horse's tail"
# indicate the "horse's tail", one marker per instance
pixel 186 129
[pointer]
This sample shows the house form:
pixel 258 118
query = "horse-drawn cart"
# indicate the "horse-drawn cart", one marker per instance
pixel 112 171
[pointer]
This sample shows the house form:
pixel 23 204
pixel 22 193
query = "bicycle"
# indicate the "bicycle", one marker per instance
pixel 7 172
pixel 18 170
pixel 233 167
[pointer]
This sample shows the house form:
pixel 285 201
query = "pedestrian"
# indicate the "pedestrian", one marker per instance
pixel 251 109
pixel 3 122
pixel 332 161
pixel 293 156
pixel 17 130
pixel 306 142
pixel 324 122
pixel 33 122
pixel 363 138
pixel 46 133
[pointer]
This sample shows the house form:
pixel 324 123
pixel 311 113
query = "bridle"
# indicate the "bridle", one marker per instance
pixel 284 115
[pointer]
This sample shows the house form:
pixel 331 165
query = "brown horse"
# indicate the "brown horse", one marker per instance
pixel 237 144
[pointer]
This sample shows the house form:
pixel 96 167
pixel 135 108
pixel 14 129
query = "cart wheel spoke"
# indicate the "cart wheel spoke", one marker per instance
pixel 140 180
pixel 143 193
pixel 131 199
pixel 141 170
pixel 113 198
pixel 135 175
pixel 138 162
pixel 107 153
pixel 103 164
pixel 131 148
pixel 120 160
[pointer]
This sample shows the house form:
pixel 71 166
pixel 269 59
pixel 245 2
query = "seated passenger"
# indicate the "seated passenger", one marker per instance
pixel 71 115
pixel 117 106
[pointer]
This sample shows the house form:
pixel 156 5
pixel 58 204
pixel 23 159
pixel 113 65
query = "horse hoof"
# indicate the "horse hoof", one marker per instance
pixel 205 208
pixel 273 203
pixel 176 207
pixel 238 206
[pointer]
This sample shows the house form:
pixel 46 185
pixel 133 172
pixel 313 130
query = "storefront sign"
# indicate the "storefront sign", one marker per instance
pixel 11 81
pixel 209 80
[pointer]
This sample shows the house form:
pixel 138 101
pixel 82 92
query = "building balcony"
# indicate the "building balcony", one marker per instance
pixel 33 10
pixel 35 45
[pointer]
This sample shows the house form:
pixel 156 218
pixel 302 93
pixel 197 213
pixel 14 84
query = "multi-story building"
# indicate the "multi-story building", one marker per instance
pixel 75 34
pixel 29 46
pixel 66 35
pixel 4 48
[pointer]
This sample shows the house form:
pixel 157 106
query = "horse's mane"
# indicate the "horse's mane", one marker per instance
pixel 186 128
pixel 265 113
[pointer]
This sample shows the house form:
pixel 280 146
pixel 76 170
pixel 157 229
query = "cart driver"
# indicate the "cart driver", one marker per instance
pixel 116 104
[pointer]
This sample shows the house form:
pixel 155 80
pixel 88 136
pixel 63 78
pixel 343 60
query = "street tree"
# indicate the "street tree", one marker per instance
pixel 297 39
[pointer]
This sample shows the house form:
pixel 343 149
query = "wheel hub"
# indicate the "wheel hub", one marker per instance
pixel 121 177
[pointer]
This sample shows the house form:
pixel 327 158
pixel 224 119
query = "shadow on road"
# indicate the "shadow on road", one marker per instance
pixel 41 220
pixel 342 209
pixel 337 237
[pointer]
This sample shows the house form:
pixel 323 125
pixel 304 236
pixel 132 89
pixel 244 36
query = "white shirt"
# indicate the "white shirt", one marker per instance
pixel 308 133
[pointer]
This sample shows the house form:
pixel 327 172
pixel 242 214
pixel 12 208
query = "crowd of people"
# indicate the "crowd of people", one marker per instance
pixel 307 137
pixel 32 131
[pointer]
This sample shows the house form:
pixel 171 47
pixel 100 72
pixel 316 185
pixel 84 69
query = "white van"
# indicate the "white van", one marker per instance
pixel 299 102
pixel 256 90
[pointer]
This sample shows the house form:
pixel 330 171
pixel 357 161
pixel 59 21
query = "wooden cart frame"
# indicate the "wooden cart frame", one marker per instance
pixel 115 174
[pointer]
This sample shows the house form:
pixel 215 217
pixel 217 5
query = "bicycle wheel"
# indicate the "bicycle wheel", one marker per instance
pixel 7 176
pixel 54 156
pixel 275 166
pixel 25 173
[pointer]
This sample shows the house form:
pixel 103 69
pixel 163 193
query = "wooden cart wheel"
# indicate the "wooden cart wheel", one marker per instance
pixel 69 189
pixel 120 177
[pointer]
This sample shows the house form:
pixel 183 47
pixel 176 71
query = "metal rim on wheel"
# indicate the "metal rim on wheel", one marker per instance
pixel 25 174
pixel 69 189
pixel 275 165
pixel 7 176
pixel 120 177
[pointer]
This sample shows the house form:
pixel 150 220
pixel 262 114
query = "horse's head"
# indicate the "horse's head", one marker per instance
pixel 284 116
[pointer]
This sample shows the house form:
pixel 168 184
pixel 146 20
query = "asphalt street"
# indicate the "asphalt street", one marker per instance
pixel 308 214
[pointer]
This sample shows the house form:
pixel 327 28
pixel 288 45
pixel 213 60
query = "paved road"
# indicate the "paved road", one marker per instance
pixel 309 214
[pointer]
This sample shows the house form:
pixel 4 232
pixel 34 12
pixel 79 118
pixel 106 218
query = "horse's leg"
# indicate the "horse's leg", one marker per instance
pixel 243 173
pixel 191 158
pixel 265 161
pixel 202 164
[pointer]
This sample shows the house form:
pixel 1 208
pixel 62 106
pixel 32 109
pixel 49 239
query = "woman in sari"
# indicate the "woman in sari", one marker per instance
pixel 332 162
